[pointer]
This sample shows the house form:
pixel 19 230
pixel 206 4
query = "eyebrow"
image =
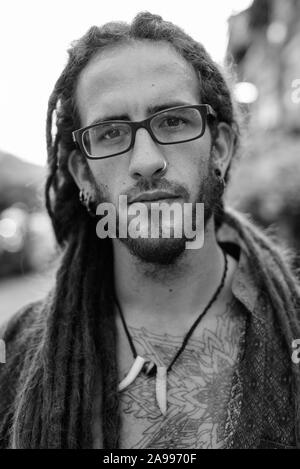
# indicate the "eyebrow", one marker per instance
pixel 152 109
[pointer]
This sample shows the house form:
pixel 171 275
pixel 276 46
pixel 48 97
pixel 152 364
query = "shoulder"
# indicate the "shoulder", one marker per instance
pixel 15 331
pixel 20 337
pixel 25 324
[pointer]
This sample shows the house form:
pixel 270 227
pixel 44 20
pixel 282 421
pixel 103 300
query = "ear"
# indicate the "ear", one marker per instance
pixel 223 147
pixel 78 169
pixel 81 174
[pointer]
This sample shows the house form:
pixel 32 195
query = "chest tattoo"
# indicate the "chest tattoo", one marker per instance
pixel 198 387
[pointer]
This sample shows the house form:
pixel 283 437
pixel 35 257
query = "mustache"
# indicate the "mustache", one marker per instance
pixel 145 185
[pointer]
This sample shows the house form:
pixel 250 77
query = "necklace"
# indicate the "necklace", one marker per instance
pixel 149 367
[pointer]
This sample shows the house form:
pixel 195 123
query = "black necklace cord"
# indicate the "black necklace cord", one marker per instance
pixel 133 349
pixel 195 324
pixel 192 328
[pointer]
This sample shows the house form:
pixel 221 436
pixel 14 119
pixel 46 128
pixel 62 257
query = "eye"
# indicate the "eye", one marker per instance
pixel 172 122
pixel 111 134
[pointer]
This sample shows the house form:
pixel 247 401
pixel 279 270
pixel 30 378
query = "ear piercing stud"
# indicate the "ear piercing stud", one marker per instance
pixel 86 200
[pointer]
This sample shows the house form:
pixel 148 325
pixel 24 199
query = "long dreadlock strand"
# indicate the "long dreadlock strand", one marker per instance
pixel 56 324
pixel 70 339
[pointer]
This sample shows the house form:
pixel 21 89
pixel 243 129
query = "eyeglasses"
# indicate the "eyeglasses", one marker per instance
pixel 171 126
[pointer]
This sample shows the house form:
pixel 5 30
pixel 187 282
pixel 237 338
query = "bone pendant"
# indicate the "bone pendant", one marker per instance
pixel 133 373
pixel 161 388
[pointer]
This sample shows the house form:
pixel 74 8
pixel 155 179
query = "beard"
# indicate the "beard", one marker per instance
pixel 167 251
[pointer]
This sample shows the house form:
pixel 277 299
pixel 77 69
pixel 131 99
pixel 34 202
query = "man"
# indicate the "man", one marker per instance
pixel 143 343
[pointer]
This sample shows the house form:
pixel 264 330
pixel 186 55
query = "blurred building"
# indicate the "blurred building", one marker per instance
pixel 264 53
pixel 264 43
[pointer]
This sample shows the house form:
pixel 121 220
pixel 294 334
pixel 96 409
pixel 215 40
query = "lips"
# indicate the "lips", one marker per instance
pixel 153 196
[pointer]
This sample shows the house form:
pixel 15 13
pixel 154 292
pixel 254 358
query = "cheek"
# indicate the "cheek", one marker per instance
pixel 200 150
pixel 108 176
pixel 191 161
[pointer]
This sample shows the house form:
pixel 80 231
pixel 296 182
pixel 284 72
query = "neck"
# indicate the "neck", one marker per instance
pixel 154 295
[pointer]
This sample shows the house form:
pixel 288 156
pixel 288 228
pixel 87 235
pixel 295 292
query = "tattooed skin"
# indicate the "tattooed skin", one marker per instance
pixel 198 387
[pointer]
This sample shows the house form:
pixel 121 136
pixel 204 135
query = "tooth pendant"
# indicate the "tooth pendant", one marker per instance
pixel 133 373
pixel 160 383
pixel 161 388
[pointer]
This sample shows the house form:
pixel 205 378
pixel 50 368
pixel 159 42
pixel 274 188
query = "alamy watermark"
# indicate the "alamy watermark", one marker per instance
pixel 296 352
pixel 295 96
pixel 2 351
pixel 152 220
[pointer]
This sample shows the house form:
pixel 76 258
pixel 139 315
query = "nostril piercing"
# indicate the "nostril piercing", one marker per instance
pixel 164 167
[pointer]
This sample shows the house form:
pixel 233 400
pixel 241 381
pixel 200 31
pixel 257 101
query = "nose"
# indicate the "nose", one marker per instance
pixel 147 159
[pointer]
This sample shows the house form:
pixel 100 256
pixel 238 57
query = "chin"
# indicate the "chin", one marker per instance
pixel 160 251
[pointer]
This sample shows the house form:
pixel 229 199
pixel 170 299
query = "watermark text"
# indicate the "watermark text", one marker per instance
pixel 296 352
pixel 295 96
pixel 152 220
pixel 2 351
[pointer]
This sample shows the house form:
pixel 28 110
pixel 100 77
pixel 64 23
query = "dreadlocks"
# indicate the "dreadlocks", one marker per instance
pixel 54 406
pixel 54 409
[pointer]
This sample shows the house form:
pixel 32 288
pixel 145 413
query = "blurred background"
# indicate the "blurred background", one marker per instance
pixel 264 53
pixel 257 41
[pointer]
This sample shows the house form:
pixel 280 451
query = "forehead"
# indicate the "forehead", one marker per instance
pixel 129 79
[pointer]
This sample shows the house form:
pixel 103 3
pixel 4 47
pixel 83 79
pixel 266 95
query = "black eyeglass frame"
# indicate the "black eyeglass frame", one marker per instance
pixel 204 109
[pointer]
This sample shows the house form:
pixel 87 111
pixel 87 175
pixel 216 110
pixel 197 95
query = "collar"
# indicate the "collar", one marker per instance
pixel 245 287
